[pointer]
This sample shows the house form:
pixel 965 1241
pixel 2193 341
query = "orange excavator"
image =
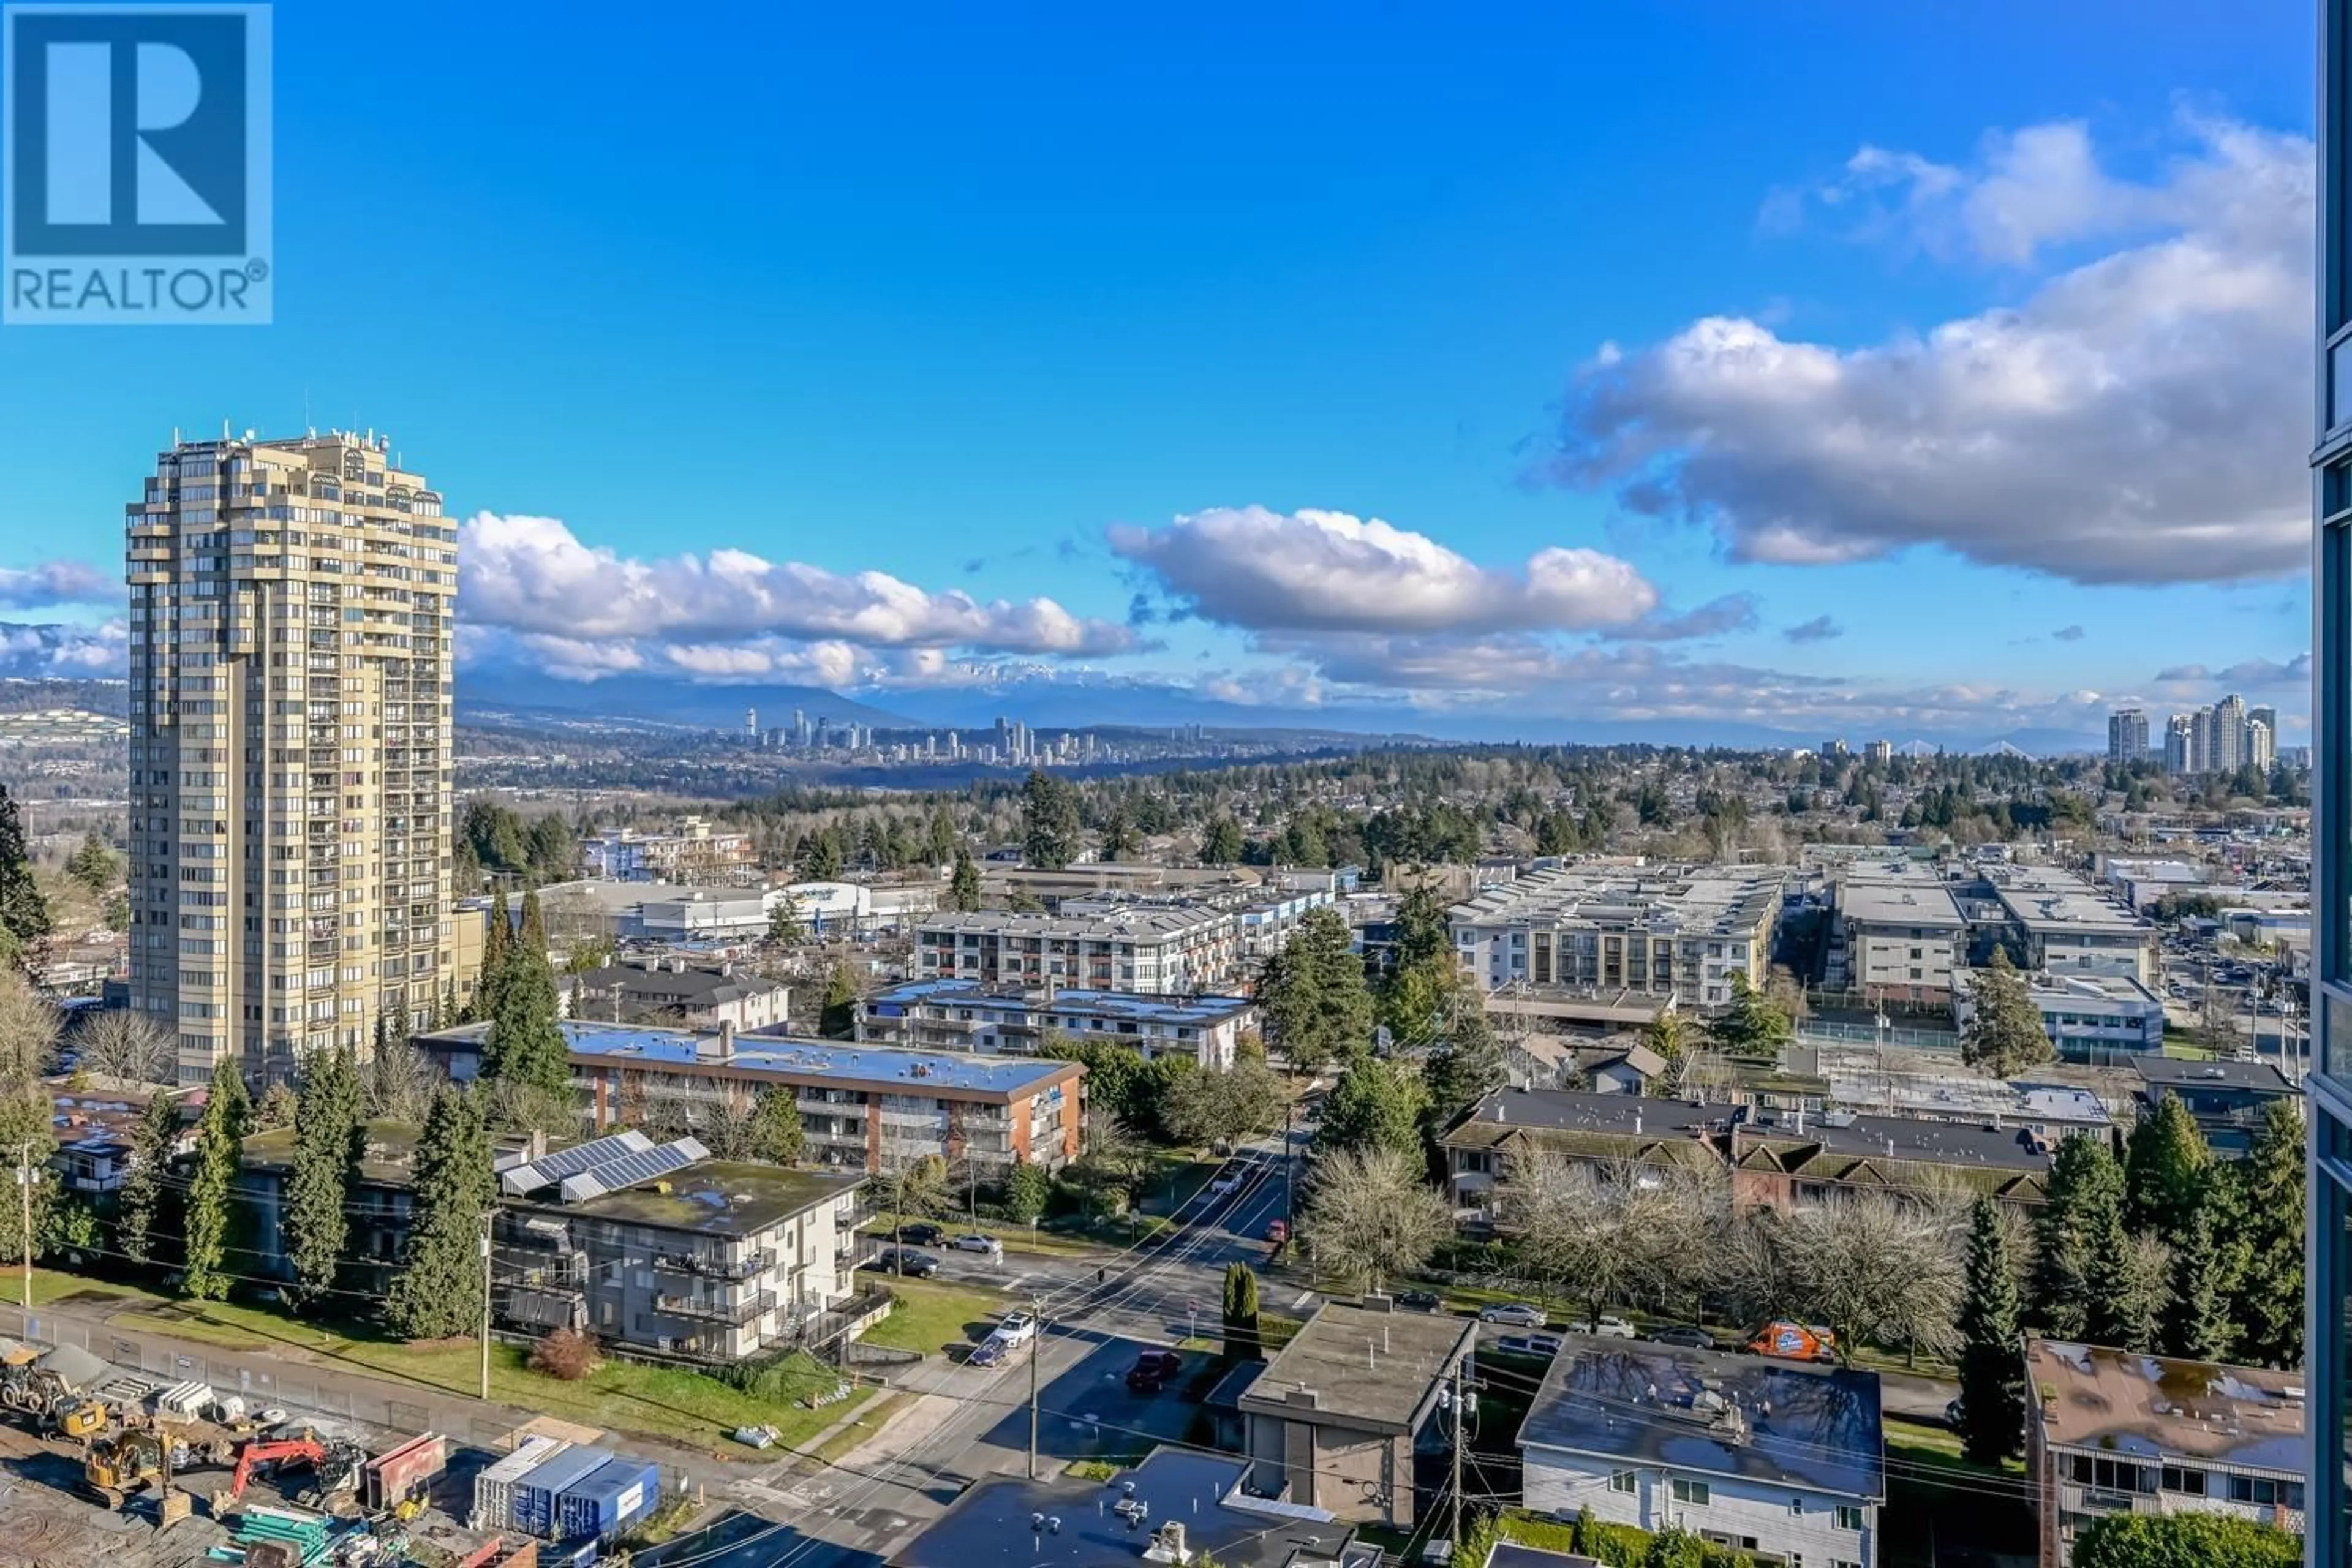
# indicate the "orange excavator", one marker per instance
pixel 334 1465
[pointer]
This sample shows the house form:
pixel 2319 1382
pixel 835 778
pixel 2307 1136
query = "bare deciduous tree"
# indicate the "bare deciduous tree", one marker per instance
pixel 29 1032
pixel 399 1082
pixel 1877 1267
pixel 1372 1216
pixel 127 1043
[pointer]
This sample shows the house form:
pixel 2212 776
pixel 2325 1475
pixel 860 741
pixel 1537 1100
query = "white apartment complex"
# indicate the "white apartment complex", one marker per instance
pixel 1665 931
pixel 290 690
pixel 1151 950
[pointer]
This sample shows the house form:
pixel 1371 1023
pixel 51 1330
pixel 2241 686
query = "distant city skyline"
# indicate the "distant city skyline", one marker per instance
pixel 1826 405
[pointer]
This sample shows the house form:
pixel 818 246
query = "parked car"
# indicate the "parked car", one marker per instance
pixel 922 1235
pixel 1544 1345
pixel 1605 1326
pixel 975 1242
pixel 903 1260
pixel 1689 1336
pixel 1153 1371
pixel 1418 1301
pixel 1227 1184
pixel 1017 1327
pixel 1517 1314
pixel 989 1352
pixel 1278 1231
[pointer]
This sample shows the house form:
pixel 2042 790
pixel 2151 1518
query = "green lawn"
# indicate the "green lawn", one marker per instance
pixel 50 1285
pixel 930 1317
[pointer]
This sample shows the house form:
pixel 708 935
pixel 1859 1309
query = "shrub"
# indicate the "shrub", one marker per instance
pixel 567 1353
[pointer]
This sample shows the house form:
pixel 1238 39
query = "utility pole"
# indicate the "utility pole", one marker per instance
pixel 1036 1349
pixel 25 1237
pixel 1461 1437
pixel 486 1304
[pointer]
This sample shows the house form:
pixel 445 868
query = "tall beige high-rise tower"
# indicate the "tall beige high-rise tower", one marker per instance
pixel 290 690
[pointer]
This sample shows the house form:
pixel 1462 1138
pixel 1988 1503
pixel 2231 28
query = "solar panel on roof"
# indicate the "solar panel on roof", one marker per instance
pixel 550 1168
pixel 632 1169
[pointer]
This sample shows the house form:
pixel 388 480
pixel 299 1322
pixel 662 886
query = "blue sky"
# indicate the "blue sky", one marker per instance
pixel 1143 316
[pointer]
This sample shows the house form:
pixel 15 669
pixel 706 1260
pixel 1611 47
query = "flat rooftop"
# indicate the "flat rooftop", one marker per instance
pixel 1713 1411
pixel 390 1157
pixel 1920 901
pixel 994 1523
pixel 948 991
pixel 2151 1407
pixel 712 1198
pixel 1702 901
pixel 2051 902
pixel 2175 1072
pixel 1129 923
pixel 1365 1367
pixel 803 1061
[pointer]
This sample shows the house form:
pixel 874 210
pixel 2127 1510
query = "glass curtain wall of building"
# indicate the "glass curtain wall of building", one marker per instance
pixel 2328 1527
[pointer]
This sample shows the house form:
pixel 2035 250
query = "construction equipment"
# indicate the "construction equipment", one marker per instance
pixel 113 1468
pixel 51 1386
pixel 334 1466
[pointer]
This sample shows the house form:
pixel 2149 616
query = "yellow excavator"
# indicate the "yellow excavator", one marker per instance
pixel 114 1467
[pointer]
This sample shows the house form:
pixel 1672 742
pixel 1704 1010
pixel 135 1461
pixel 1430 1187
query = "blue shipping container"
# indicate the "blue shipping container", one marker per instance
pixel 535 1494
pixel 608 1502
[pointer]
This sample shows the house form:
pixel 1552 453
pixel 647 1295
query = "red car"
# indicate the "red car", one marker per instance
pixel 1278 1231
pixel 1153 1371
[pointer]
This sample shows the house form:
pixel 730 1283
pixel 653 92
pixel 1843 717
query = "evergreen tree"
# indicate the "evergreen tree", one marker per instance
pixel 1027 1189
pixel 2165 1166
pixel 963 888
pixel 776 1114
pixel 328 1141
pixel 139 1207
pixel 1992 1368
pixel 2195 1323
pixel 24 911
pixel 1375 1104
pixel 1313 995
pixel 438 1291
pixel 784 926
pixel 2085 1183
pixel 92 863
pixel 942 843
pixel 1241 1311
pixel 534 922
pixel 2115 1304
pixel 1222 844
pixel 2266 1300
pixel 1753 1025
pixel 212 1186
pixel 498 935
pixel 1466 1062
pixel 2004 1036
pixel 839 1019
pixel 524 1045
pixel 1051 824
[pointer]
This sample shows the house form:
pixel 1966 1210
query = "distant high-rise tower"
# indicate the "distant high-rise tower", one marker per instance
pixel 2228 731
pixel 2127 735
pixel 751 726
pixel 290 688
pixel 2183 750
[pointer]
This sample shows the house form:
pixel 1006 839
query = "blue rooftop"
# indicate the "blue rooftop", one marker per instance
pixel 1181 1010
pixel 799 1058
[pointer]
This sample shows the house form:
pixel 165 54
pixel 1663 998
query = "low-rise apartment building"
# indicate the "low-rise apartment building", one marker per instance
pixel 2110 1431
pixel 967 1015
pixel 2229 1100
pixel 1786 1463
pixel 1152 950
pixel 696 854
pixel 1897 933
pixel 2065 926
pixel 1336 1420
pixel 666 1250
pixel 862 1107
pixel 2095 1019
pixel 1676 932
pixel 669 990
pixel 1781 1158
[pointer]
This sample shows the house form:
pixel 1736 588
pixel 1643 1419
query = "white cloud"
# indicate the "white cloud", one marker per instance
pixel 530 574
pixel 2139 417
pixel 2295 671
pixel 57 582
pixel 100 651
pixel 1731 613
pixel 1327 571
